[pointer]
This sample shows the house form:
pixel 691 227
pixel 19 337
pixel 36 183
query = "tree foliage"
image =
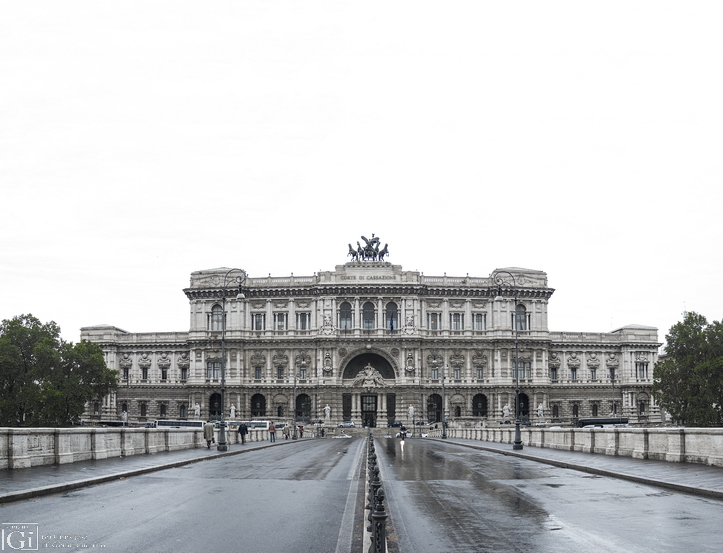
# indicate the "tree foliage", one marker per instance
pixel 44 380
pixel 689 380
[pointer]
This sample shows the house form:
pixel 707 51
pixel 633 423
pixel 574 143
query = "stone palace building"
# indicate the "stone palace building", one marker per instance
pixel 376 344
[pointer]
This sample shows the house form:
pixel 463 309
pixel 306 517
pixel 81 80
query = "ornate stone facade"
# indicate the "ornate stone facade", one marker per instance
pixel 373 342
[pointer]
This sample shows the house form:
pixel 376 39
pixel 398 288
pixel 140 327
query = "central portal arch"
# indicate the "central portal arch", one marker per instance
pixel 369 379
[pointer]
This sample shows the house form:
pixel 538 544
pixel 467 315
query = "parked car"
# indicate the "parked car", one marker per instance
pixel 346 424
pixel 394 424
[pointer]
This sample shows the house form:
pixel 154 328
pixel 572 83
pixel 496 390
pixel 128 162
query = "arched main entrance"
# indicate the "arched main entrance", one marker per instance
pixel 369 398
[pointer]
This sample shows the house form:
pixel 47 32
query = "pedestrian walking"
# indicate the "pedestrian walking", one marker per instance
pixel 242 431
pixel 301 431
pixel 272 432
pixel 208 433
pixel 286 430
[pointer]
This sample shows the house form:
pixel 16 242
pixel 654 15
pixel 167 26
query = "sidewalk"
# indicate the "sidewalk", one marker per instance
pixel 18 484
pixel 685 477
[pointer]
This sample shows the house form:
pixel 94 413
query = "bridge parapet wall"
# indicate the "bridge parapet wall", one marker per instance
pixel 682 445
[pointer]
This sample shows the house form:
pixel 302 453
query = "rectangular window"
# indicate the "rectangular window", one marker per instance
pixel 302 373
pixel 642 370
pixel 184 373
pixel 435 373
pixel 480 321
pixel 457 373
pixel 573 374
pixel 525 369
pixel 480 373
pixel 257 373
pixel 523 321
pixel 259 321
pixel 280 321
pixel 144 373
pixel 303 321
pixel 213 369
pixel 125 373
pixel 456 321
pixel 434 321
pixel 593 374
pixel 164 374
pixel 553 374
pixel 280 373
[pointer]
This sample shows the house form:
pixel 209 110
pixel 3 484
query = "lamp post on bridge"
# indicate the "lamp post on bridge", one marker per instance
pixel 240 279
pixel 517 444
pixel 444 420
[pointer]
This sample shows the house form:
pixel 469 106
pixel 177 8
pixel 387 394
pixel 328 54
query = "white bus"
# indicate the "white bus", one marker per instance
pixel 255 425
pixel 179 424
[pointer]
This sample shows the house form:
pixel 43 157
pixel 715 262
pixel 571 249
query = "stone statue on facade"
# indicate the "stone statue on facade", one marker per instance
pixel 368 377
pixel 410 411
pixel 233 412
pixel 540 410
pixel 506 412
pixel 327 412
pixel 197 410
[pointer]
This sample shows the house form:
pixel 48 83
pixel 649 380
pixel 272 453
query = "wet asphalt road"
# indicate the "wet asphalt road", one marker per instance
pixel 444 497
pixel 294 497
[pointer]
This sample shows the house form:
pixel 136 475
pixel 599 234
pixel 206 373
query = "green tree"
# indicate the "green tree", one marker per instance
pixel 689 380
pixel 44 380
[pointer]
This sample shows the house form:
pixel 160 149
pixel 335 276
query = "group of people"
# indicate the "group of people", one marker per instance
pixel 286 430
pixel 243 431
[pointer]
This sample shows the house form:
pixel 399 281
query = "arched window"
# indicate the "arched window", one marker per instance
pixel 280 411
pixel 303 408
pixel 575 411
pixel 555 412
pixel 182 412
pixel 641 408
pixel 258 405
pixel 594 409
pixel 520 319
pixel 457 411
pixel 216 318
pixel 391 318
pixel 479 405
pixel 434 408
pixel 214 406
pixel 163 412
pixel 368 316
pixel 345 321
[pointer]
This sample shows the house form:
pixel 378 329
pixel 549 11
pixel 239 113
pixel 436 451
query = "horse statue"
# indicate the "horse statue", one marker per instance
pixel 384 251
pixel 353 253
pixel 372 247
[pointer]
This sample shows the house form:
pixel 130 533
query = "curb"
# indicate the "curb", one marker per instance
pixel 74 485
pixel 695 490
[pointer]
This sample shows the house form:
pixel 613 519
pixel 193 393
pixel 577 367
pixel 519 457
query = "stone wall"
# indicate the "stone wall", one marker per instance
pixel 29 447
pixel 680 445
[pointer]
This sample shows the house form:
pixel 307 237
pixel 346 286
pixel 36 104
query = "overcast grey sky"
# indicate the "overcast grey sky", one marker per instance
pixel 141 141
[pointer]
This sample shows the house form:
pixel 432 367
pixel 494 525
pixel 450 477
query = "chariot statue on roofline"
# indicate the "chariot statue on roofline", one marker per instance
pixel 370 251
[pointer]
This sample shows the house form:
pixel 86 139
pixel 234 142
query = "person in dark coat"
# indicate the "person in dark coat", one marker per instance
pixel 243 430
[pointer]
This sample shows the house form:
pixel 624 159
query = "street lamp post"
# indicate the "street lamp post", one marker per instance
pixel 240 279
pixel 500 282
pixel 293 402
pixel 444 421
